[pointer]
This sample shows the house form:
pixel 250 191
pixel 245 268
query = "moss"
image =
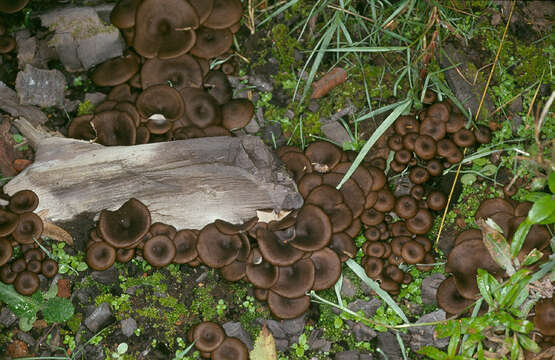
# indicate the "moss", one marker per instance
pixel 283 48
pixel 204 304
pixel 85 108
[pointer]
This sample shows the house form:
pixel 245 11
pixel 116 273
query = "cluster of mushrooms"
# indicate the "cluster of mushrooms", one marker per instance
pixel 212 342
pixel 19 226
pixel 457 293
pixel 163 87
pixel 7 43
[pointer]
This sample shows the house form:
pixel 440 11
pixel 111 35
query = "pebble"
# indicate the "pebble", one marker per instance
pixel 429 288
pixel 234 329
pixel 106 277
pixel 43 88
pixel 99 318
pixel 425 335
pixel 128 326
pixel 7 317
pixel 348 289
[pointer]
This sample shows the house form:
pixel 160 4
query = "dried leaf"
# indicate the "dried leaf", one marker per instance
pixel 56 233
pixel 264 346
pixel 270 215
pixel 323 86
pixel 496 244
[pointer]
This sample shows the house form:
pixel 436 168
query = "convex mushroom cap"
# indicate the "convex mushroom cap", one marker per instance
pixel 237 113
pixel 23 201
pixel 327 266
pixel 6 251
pixel 126 226
pixel 216 249
pixel 286 308
pixel 323 155
pixel 116 71
pixel 8 222
pixel 159 251
pixel 12 6
pixel 100 256
pixel 208 336
pixel 231 349
pixel 212 43
pixel 28 229
pixel 295 280
pixel 224 14
pixel 26 283
pixel 114 128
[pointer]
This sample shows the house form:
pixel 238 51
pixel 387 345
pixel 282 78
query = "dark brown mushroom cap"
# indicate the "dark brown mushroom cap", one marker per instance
pixel 19 265
pixel 352 193
pixel 130 109
pixel 100 256
pixel 123 14
pixel 434 167
pixel 420 223
pixel 330 201
pixel 372 233
pixel 232 229
pixel 230 349
pixel 224 14
pixel 23 201
pixel 159 228
pixel 402 157
pixel 455 123
pixel 378 176
pixel 159 251
pixel 261 294
pixel 397 244
pixel 385 200
pixel 165 31
pixel 425 147
pixel 371 217
pixel 438 111
pixel 373 266
pixel 49 268
pixel 537 237
pixel 208 336
pixel 449 299
pixel 419 175
pixel 409 140
pixel 234 271
pixel 308 183
pixel 491 206
pixel 313 229
pixel 406 206
pixel 203 8
pixel 282 150
pixel 394 273
pixel 446 148
pixel 433 128
pixel 114 128
pixel 7 44
pixel 424 241
pixel 80 128
pixel 216 130
pixel 216 249
pixel 482 134
pixel 33 266
pixel 212 43
pixel 389 285
pixel 116 71
pixel 143 135
pixel 33 254
pixel 28 229
pixel 12 6
pixel 8 222
pixel 6 251
pixel 181 72
pixel 323 156
pixel 297 163
pixel 327 266
pixel 201 108
pixel 374 248
pixel 185 242
pixel 218 86
pixel 285 308
pixel 343 245
pixel 399 228
pixel 274 250
pixel 160 99
pixel 158 125
pixel 295 280
pixel 436 200
pixel 413 252
pixel 464 138
pixel 371 199
pixel 237 113
pixel 261 273
pixel 126 226
pixel 469 234
pixel 406 124
pixel 361 176
pixel 395 142
pixel 7 276
pixel 105 106
pixel 544 319
pixel 26 283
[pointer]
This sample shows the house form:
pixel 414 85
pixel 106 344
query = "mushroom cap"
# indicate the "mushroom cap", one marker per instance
pixel 100 256
pixel 28 229
pixel 352 193
pixel 12 6
pixel 402 157
pixel 343 245
pixel 203 8
pixel 434 167
pixel 261 294
pixel 274 250
pixel 378 176
pixel 469 234
pixel 201 108
pixel 165 31
pixel 394 273
pixel 361 176
pixel 308 183
pixel 413 252
pixel 409 140
pixel 212 43
pixel 424 241
pixel 374 248
pixel 385 201
pixel 123 14
pixel 282 150
pixel 433 127
pixel 395 142
pixel 181 72
pixel 185 242
pixel 327 266
pixel 464 138
pixel 446 148
pixel 230 349
pixel 285 308
pixel 217 85
pixel 544 319
pixel 208 336
pixel 482 134
pixel 295 280
pixel 372 233
pixel 371 199
pixel 455 123
pixel 126 226
pixel 371 217
pixel 159 251
pixel 331 202
pixel 436 200
pixel 323 156
pixel 105 106
pixel 261 273
pixel 124 255
pixel 297 163
pixel 33 266
pixel 160 99
pixel 406 124
pixel 373 266
pixel 26 283
pixel 159 228
pixel 6 251
pixel 399 228
pixel 420 223
pixel 406 206
pixel 237 113
pixel 224 14
pixel 232 229
pixel 8 222
pixel 425 147
pixel 130 109
pixel 7 44
pixel 397 244
pixel 49 268
pixel 80 128
pixel 116 71
pixel 19 265
pixel 7 275
pixel 142 136
pixel 491 206
pixel 313 229
pixel 216 249
pixel 449 299
pixel 114 128
pixel 438 111
pixel 419 175
pixel 234 271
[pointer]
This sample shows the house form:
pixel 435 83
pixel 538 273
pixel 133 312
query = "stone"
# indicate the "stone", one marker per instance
pixel 104 11
pixel 348 289
pixel 313 106
pixel 362 332
pixel 26 49
pixel 234 329
pixel 252 127
pixel 317 343
pixel 128 326
pixel 295 326
pixel 106 277
pixel 369 308
pixel 365 357
pixel 281 344
pixel 82 295
pixel 334 131
pixel 10 104
pixel 80 37
pixel 261 82
pixel 40 87
pixel 95 98
pixel 425 335
pixel 429 288
pixel 99 318
pixel 7 317
pixel 274 327
pixel 388 344
pixel 347 355
pixel 26 338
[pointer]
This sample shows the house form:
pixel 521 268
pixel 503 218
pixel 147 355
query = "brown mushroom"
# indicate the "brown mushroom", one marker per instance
pixel 295 280
pixel 275 251
pixel 126 226
pixel 449 299
pixel 6 251
pixel 26 283
pixel 116 71
pixel 373 266
pixel 224 14
pixel 203 8
pixel 323 156
pixel 7 275
pixel 544 318
pixel 425 147
pixel 464 138
pixel 231 349
pixel 406 124
pixel 181 72
pixel 185 242
pixel 201 108
pixel 12 6
pixel 313 229
pixel 23 201
pixel 28 229
pixel 433 127
pixel 216 249
pixel 413 252
pixel 434 167
pixel 49 268
pixel 439 111
pixel 419 175
pixel 123 14
pixel 8 222
pixel 420 223
pixel 114 128
pixel 261 273
pixel 208 336
pixel 343 245
pixel 436 200
pixel 100 256
pixel 491 206
pixel 212 43
pixel 237 113
pixel 327 266
pixel 482 134
pixel 406 206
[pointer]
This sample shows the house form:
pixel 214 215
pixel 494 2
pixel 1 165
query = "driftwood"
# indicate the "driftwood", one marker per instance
pixel 186 183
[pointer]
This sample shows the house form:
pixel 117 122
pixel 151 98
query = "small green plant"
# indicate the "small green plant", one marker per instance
pixel 21 142
pixel 221 307
pixel 67 262
pixel 85 108
pixel 249 305
pixel 120 351
pixel 301 346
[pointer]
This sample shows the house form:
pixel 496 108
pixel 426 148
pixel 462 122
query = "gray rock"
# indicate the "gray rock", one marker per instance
pixel 282 344
pixel 95 98
pixel 388 344
pixel 26 338
pixel 106 277
pixel 234 329
pixel 7 317
pixel 362 332
pixel 313 106
pixel 261 82
pixel 334 131
pixel 429 288
pixel 10 104
pixel 252 127
pixel 128 326
pixel 104 11
pixel 347 355
pixel 369 308
pixel 26 50
pixel 40 87
pixel 80 38
pixel 294 326
pixel 424 335
pixel 132 290
pixel 99 318
pixel 274 327
pixel 317 343
pixel 365 357
pixel 348 289
pixel 94 352
pixel 82 295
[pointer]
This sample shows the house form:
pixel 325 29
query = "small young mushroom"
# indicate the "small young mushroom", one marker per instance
pixel 406 206
pixel 100 256
pixel 420 223
pixel 26 283
pixel 231 349
pixel 208 336
pixel 373 266
pixel 425 147
pixel 49 268
pixel 436 200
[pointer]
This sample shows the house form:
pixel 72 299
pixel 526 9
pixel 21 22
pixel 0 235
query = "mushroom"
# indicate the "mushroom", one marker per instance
pixel 203 8
pixel 34 266
pixel 464 138
pixel 212 43
pixel 469 234
pixel 372 233
pixel 297 163
pixel 313 229
pixel 49 268
pixel 308 183
pixel 231 349
pixel 28 229
pixel 7 275
pixel 8 222
pixel 26 283
pixel 234 271
pixel 201 108
pixel 399 228
pixel 274 251
pixel 124 255
pixel 371 199
pixel 419 175
pixel 420 223
pixel 425 147
pixel 413 252
pixel 433 127
pixel 261 273
pixel 402 157
pixel 123 14
pixel 434 167
pixel 295 280
pixel 436 200
pixel 160 99
pixel 394 273
pixel 327 268
pixel 406 206
pixel 185 242
pixel 449 299
pixel 395 142
pixel 114 128
pixel 371 217
pixel 352 193
pixel 361 176
pixel 424 241
pixel 165 31
pixel 181 72
pixel 23 201
pixel 378 176
pixel 208 336
pixel 323 156
pixel 544 319
pixel 397 244
pixel 116 71
pixel 224 14
pixel 286 308
pixel 12 6
pixel 125 227
pixel 237 114
pixel 261 294
pixel 19 265
pixel 80 128
pixel 455 123
pixel 375 248
pixel 385 201
pixel 218 86
pixel 482 134
pixel 409 140
pixel 491 206
pixel 100 256
pixel 438 111
pixel 6 251
pixel 373 266
pixel 406 124
pixel 330 201
pixel 216 249
pixel 343 245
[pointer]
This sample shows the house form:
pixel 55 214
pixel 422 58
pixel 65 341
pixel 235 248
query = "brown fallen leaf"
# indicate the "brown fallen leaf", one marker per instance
pixel 20 164
pixel 64 288
pixel 56 233
pixel 323 86
pixel 264 346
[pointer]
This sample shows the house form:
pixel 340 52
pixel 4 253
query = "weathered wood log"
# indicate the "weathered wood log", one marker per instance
pixel 186 183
